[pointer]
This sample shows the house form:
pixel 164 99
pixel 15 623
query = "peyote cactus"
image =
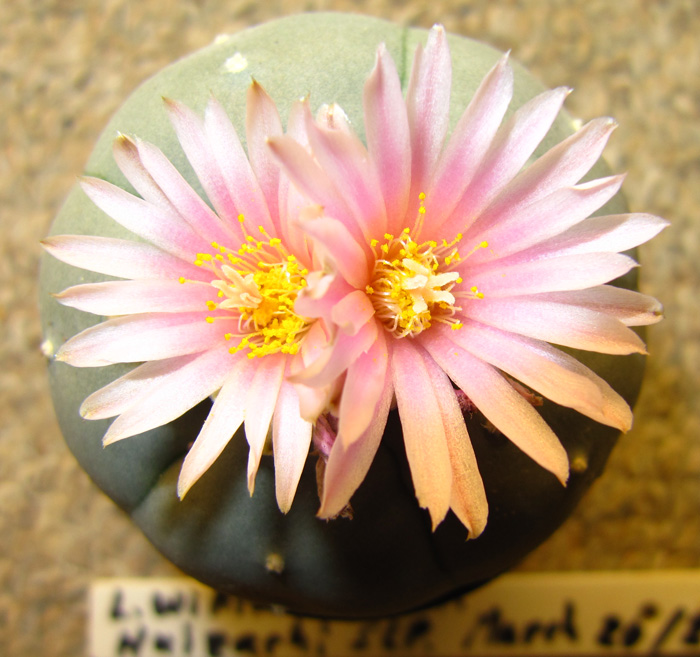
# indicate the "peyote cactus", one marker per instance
pixel 390 556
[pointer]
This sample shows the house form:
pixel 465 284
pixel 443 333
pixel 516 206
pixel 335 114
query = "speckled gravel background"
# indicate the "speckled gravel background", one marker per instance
pixel 64 68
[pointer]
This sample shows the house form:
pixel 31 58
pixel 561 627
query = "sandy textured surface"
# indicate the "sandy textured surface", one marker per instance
pixel 65 67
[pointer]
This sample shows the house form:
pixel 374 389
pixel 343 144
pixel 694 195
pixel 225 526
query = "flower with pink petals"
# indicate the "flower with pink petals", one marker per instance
pixel 208 301
pixel 449 266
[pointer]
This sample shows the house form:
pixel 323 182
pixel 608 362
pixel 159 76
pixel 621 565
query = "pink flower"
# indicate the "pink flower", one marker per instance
pixel 454 263
pixel 208 304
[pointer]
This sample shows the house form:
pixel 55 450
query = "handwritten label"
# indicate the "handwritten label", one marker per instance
pixel 519 614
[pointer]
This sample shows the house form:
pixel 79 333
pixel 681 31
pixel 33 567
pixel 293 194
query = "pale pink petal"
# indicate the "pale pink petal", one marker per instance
pixel 173 395
pixel 352 312
pixel 313 345
pixel 124 392
pixel 504 408
pixel 126 155
pixel 549 371
pixel 335 240
pixel 338 356
pixel 291 438
pixel 563 165
pixel 513 144
pixel 428 105
pixel 567 272
pixel 190 132
pixel 312 180
pixel 122 258
pixel 468 497
pixel 243 187
pixel 156 179
pixel 348 464
pixel 261 398
pixel 423 429
pixel 321 294
pixel 362 391
pixel 543 219
pixel 461 158
pixel 296 125
pixel 291 202
pixel 292 206
pixel 137 338
pixel 224 419
pixel 263 121
pixel 180 195
pixel 143 296
pixel 164 229
pixel 629 307
pixel 388 137
pixel 314 401
pixel 347 164
pixel 566 325
pixel 333 117
pixel 609 234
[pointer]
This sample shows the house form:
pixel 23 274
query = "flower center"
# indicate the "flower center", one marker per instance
pixel 258 284
pixel 412 282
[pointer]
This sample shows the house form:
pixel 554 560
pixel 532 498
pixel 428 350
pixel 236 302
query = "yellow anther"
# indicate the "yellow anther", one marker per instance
pixel 210 320
pixel 212 305
pixel 182 280
pixel 241 218
pixel 412 284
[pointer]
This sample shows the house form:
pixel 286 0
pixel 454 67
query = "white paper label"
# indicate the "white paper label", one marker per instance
pixel 567 614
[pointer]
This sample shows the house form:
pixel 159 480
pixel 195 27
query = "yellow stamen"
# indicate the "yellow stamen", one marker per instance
pixel 413 282
pixel 258 288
